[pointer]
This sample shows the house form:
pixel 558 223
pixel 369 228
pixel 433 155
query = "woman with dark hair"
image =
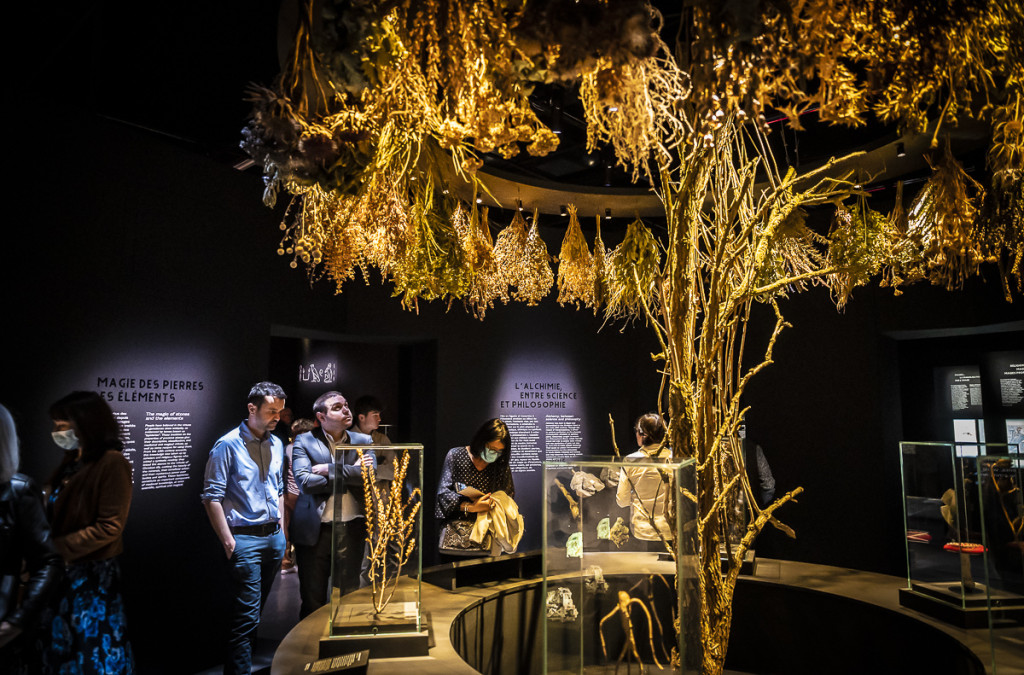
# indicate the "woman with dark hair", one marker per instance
pixel 90 493
pixel 469 477
pixel 24 545
pixel 646 491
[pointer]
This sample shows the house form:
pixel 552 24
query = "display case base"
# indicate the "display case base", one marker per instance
pixel 939 601
pixel 382 645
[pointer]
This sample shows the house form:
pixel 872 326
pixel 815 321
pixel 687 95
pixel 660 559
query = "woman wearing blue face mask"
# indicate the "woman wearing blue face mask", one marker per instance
pixel 90 493
pixel 468 478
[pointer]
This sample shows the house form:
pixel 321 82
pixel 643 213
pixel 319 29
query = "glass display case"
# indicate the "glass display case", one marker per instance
pixel 620 583
pixel 956 501
pixel 1001 513
pixel 377 533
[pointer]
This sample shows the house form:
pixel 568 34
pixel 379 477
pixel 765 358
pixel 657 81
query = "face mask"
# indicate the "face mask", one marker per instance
pixel 489 455
pixel 65 439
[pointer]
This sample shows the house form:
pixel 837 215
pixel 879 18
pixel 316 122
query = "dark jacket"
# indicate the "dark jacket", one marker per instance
pixel 308 450
pixel 91 509
pixel 25 539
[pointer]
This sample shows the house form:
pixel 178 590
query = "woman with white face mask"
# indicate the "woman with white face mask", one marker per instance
pixel 470 475
pixel 90 493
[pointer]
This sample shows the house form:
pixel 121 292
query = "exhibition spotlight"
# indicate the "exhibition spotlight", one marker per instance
pixel 900 150
pixel 563 210
pixel 607 214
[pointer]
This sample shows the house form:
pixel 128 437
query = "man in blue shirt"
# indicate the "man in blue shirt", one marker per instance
pixel 243 494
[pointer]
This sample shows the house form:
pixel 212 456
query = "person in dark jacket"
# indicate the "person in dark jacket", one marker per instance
pixel 24 543
pixel 90 494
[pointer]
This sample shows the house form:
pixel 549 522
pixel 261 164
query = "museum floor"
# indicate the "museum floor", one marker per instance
pixel 279 616
pixel 286 645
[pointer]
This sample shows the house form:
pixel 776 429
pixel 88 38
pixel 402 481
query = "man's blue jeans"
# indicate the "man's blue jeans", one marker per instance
pixel 255 563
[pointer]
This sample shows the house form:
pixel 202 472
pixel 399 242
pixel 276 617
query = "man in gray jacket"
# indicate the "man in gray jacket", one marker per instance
pixel 316 462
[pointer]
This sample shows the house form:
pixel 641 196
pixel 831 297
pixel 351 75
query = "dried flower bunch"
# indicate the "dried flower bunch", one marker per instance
pixel 575 266
pixel 523 261
pixel 631 274
pixel 943 219
pixel 858 246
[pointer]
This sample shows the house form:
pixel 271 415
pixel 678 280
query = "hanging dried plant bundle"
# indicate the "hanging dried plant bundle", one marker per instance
pixel 1006 155
pixel 536 278
pixel 510 252
pixel 1000 231
pixel 388 230
pixel 858 245
pixel 575 266
pixel 942 219
pixel 635 107
pixel 485 286
pixel 321 232
pixel 793 253
pixel 472 66
pixel 631 271
pixel 436 266
pixel 903 260
pixel 600 258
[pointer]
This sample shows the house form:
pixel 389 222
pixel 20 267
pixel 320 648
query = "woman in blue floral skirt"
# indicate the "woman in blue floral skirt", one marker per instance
pixel 91 491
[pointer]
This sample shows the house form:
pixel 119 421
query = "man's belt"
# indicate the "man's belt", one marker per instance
pixel 264 530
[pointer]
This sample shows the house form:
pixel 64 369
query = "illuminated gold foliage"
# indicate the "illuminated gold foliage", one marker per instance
pixel 793 252
pixel 575 266
pixel 523 261
pixel 942 219
pixel 903 263
pixel 858 245
pixel 485 287
pixel 631 272
pixel 436 267
pixel 537 278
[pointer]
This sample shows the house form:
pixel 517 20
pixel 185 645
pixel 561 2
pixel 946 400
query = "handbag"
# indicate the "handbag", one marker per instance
pixel 455 540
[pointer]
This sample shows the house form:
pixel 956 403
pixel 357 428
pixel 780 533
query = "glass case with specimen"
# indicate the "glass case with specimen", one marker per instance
pixel 956 502
pixel 620 586
pixel 378 516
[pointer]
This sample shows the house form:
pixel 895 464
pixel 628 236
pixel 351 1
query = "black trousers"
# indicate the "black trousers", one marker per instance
pixel 314 564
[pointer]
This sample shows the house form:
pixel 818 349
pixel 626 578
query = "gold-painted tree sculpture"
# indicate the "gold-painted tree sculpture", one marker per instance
pixel 386 106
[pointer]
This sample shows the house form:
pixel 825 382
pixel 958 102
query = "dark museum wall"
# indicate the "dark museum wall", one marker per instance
pixel 154 261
